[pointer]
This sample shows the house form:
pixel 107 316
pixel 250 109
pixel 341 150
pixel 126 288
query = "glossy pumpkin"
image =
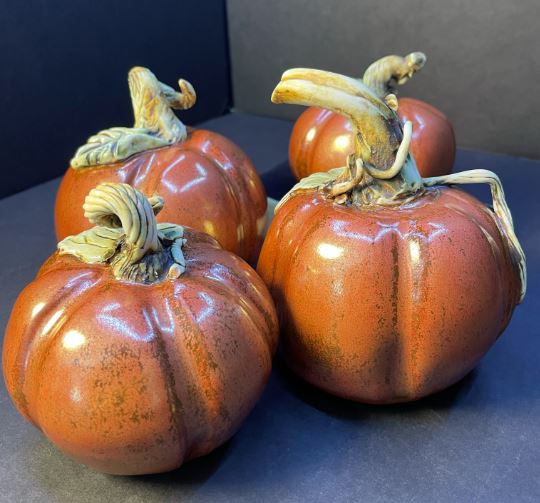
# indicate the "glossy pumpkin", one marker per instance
pixel 389 287
pixel 208 182
pixel 322 139
pixel 388 305
pixel 135 378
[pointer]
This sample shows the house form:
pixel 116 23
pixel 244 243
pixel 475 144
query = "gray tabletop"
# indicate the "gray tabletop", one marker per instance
pixel 478 441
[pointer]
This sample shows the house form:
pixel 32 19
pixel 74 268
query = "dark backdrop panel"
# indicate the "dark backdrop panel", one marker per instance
pixel 483 63
pixel 65 64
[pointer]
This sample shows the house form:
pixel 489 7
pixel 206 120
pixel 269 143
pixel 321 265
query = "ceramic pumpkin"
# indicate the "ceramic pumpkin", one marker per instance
pixel 208 182
pixel 139 345
pixel 389 286
pixel 321 139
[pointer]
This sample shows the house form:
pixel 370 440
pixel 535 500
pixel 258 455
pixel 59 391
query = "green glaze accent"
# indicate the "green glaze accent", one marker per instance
pixel 315 181
pixel 127 236
pixel 155 126
pixel 94 246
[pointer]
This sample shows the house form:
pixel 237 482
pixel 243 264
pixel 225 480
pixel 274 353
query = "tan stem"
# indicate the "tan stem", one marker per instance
pixel 155 126
pixel 153 103
pixel 179 100
pixel 377 129
pixel 504 217
pixel 381 74
pixel 116 205
pixel 387 172
pixel 351 177
pixel 399 161
pixel 347 85
pixel 126 237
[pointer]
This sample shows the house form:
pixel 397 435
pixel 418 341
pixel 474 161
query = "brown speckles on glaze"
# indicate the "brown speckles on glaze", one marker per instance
pixel 132 378
pixel 413 314
pixel 169 380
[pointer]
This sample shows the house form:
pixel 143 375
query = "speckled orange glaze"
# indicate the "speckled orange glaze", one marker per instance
pixel 207 181
pixel 389 303
pixel 322 139
pixel 132 378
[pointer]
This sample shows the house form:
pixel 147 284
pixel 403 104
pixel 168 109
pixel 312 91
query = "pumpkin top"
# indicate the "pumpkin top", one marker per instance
pixel 127 236
pixel 380 171
pixel 155 126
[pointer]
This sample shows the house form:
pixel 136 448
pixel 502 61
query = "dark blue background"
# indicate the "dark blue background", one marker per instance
pixel 64 71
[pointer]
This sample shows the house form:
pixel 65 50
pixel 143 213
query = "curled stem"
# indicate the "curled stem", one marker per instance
pixel 399 160
pixel 155 126
pixel 118 205
pixel 127 235
pixel 377 130
pixel 153 103
pixel 386 171
pixel 385 72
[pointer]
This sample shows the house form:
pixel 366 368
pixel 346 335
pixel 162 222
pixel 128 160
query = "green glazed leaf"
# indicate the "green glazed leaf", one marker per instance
pixel 94 246
pixel 315 181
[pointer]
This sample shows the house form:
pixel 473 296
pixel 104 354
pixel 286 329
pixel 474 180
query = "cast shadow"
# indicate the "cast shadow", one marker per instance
pixel 341 408
pixel 192 473
pixel 59 476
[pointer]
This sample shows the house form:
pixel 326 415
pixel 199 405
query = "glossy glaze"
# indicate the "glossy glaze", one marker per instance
pixel 322 139
pixel 433 143
pixel 388 304
pixel 132 378
pixel 208 183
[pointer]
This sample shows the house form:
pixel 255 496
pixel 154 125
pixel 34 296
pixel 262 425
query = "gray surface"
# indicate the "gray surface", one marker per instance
pixel 479 441
pixel 483 57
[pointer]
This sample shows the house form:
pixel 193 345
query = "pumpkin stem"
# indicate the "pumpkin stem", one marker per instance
pixel 381 143
pixel 120 205
pixel 377 129
pixel 500 208
pixel 153 103
pixel 155 126
pixel 383 75
pixel 127 235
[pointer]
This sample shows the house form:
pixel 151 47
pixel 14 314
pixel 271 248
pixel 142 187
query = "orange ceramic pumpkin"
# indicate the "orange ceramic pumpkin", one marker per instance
pixel 208 182
pixel 322 139
pixel 136 349
pixel 389 286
